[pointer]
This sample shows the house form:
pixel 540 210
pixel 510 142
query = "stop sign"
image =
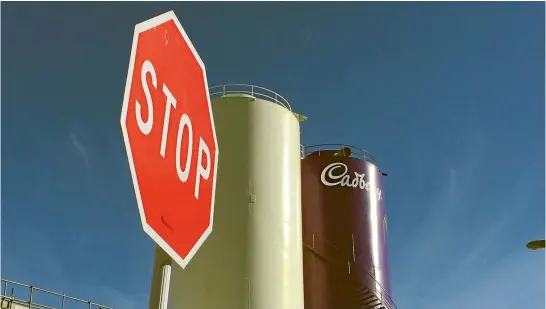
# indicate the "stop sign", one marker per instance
pixel 168 128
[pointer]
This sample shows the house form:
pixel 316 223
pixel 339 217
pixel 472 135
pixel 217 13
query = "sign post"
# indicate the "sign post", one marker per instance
pixel 165 284
pixel 170 139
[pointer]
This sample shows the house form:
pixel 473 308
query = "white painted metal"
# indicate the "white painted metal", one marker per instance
pixel 253 258
pixel 165 283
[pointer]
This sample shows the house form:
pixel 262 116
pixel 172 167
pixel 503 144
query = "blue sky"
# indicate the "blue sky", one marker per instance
pixel 449 98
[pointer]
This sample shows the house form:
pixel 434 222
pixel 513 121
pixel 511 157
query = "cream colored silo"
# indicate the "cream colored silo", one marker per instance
pixel 253 257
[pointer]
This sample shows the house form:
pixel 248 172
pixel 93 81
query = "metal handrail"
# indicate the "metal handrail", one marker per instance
pixel 32 290
pixel 383 295
pixel 219 91
pixel 356 152
pixel 24 303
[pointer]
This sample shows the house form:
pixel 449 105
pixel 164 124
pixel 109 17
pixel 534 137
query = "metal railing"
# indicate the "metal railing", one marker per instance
pixel 37 298
pixel 347 262
pixel 219 91
pixel 355 152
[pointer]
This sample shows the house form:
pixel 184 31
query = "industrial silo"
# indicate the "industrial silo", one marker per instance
pixel 344 230
pixel 253 257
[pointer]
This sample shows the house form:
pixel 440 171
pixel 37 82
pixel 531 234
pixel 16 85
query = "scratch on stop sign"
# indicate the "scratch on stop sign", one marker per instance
pixel 166 224
pixel 166 37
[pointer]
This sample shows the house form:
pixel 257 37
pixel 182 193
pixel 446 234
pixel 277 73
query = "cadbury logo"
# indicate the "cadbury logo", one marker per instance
pixel 336 174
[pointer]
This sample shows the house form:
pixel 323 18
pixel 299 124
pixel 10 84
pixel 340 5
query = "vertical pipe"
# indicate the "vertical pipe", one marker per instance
pixel 165 282
pixel 30 297
pixel 353 242
pixel 62 301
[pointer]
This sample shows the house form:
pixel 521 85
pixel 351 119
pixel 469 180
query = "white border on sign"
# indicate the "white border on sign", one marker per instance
pixel 139 28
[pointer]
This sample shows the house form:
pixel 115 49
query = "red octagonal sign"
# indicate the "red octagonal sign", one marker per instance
pixel 169 135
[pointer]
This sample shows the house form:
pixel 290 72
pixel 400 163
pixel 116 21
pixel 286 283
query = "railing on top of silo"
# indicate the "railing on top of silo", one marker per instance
pixel 254 91
pixel 346 150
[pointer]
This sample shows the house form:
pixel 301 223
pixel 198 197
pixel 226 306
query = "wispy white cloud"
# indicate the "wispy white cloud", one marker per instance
pixel 80 148
pixel 446 213
pixel 515 281
pixel 456 261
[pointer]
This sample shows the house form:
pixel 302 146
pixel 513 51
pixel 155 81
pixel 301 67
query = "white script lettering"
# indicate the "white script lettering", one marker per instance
pixel 336 174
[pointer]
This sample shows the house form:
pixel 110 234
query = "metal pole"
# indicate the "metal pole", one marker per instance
pixel 165 282
pixel 30 297
pixel 353 240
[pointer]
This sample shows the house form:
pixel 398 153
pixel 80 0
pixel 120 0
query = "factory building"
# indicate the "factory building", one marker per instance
pixel 294 227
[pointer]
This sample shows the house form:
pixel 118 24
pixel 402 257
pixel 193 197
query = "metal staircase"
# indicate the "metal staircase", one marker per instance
pixel 364 297
pixel 367 299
